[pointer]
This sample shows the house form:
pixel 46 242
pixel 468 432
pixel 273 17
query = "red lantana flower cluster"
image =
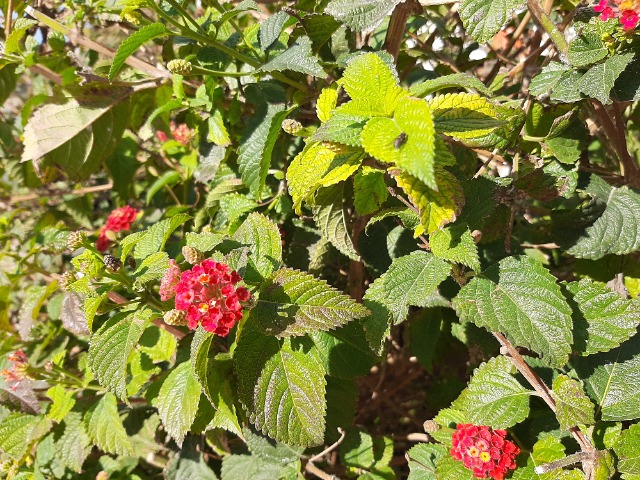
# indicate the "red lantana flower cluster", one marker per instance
pixel 484 451
pixel 207 293
pixel 181 133
pixel 626 11
pixel 119 220
pixel 18 370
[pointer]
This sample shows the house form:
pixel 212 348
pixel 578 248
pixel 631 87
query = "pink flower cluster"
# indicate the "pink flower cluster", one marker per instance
pixel 207 293
pixel 484 451
pixel 181 133
pixel 119 220
pixel 18 371
pixel 626 11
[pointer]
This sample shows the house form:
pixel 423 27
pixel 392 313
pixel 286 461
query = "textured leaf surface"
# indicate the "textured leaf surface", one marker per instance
pixel 415 154
pixel 341 128
pixel 72 314
pixel 602 319
pixel 464 115
pixel 282 386
pixel 177 401
pixel 455 80
pixel 361 450
pixel 360 14
pixel 482 19
pixel 448 468
pixel 110 348
pixel 613 381
pixel 599 79
pixel 370 190
pixel 298 58
pixel 263 237
pixel 615 231
pixel 437 208
pixel 74 445
pixel 573 406
pixel 546 450
pixel 62 401
pixel 133 42
pixel 422 460
pixel 520 298
pixel 494 396
pixel 157 235
pixel 586 49
pixel 455 244
pixel 628 451
pixel 15 433
pixel 189 464
pixel 105 428
pixel 332 220
pixel 295 303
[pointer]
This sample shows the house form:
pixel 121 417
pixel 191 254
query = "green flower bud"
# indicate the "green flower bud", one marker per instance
pixel 179 66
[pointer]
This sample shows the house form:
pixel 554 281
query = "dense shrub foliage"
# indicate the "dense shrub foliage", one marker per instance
pixel 319 239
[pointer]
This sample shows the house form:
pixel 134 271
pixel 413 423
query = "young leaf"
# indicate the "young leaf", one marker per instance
pixel 133 42
pixel 281 380
pixel 520 298
pixel 110 348
pixel 370 190
pixel 327 101
pixel 341 128
pixel 573 407
pixel 293 303
pixel 407 140
pixel 437 207
pixel 177 401
pixel 494 396
pixel 298 58
pixel 602 319
pixel 360 15
pixel 482 19
pixel 614 232
pixel 62 401
pixel 105 428
pixel 331 218
pixel 12 44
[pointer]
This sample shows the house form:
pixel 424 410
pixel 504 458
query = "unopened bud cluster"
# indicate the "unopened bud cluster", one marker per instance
pixel 179 66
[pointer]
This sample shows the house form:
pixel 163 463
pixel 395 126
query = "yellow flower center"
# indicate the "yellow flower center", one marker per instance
pixel 485 457
pixel 473 451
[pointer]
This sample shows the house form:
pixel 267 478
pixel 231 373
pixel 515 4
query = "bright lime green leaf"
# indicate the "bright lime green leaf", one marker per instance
pixel 602 319
pixel 547 450
pixel 154 239
pixel 327 101
pixel 281 380
pixel 455 80
pixel 133 42
pixel 520 298
pixel 177 401
pixel 20 27
pixel 494 396
pixel 464 115
pixel 407 140
pixel 341 128
pixel 448 468
pixel 62 402
pixel 437 208
pixel 363 451
pixel 482 19
pixel 105 428
pixel 294 303
pixel 330 215
pixel 16 433
pixel 573 407
pixel 158 344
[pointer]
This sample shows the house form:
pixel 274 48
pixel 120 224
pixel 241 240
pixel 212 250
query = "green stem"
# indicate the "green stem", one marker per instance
pixel 547 24
pixel 196 70
pixel 186 15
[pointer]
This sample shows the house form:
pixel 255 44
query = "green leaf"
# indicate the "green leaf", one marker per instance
pixel 111 346
pixel 78 133
pixel 62 401
pixel 586 49
pixel 152 268
pixel 370 190
pixel 266 449
pixel 263 237
pixel 437 208
pixel 259 138
pixel 281 379
pixel 411 280
pixel 494 396
pixel 317 165
pixel 422 460
pixel 371 85
pixel 158 344
pixel 573 407
pixel 331 218
pixel 341 128
pixel 157 235
pixel 73 446
pixel 167 179
pixel 327 100
pixel 546 450
pixel 613 381
pixel 482 19
pixel 628 451
pixel 454 80
pixel 415 154
pixel 105 428
pixel 20 27
pixel 360 14
pixel 133 42
pixel 602 318
pixel 293 303
pixel 205 242
pixel 455 244
pixel 297 58
pixel 548 78
pixel 8 79
pixel 615 231
pixel 16 433
pixel 250 467
pixel 520 298
pixel 464 115
pixel 189 464
pixel 177 401
pixel 448 468
pixel 270 29
pixel 363 451
pixel 599 79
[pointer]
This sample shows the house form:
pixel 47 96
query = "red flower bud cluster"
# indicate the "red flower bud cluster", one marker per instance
pixel 484 451
pixel 119 220
pixel 626 11
pixel 18 370
pixel 181 133
pixel 208 294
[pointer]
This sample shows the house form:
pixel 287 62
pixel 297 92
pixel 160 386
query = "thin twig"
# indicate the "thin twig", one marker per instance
pixel 8 19
pixel 330 448
pixel 397 25
pixel 36 196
